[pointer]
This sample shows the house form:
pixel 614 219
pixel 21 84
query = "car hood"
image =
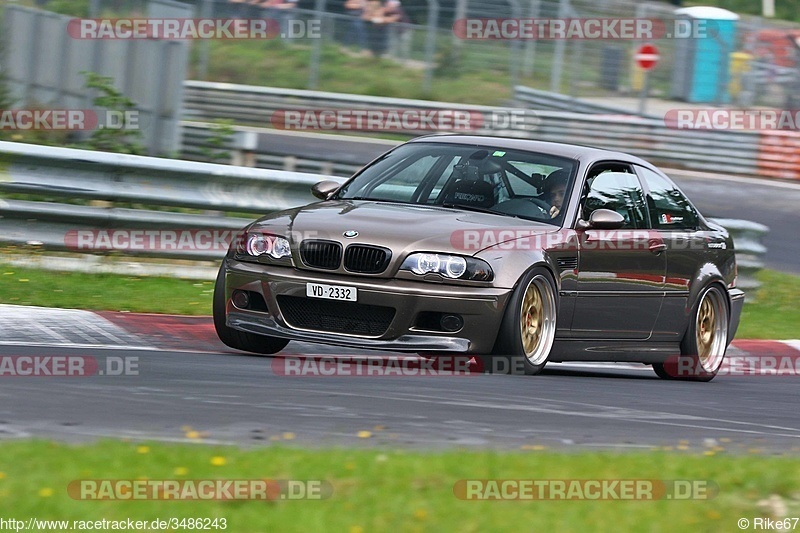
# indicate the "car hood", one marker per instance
pixel 403 228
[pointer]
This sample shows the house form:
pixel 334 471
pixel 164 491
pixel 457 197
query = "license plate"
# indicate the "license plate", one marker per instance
pixel 331 292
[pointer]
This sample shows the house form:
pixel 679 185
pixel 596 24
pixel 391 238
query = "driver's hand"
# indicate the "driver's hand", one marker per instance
pixel 554 211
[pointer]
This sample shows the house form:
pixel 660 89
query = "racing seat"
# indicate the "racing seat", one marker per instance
pixel 476 193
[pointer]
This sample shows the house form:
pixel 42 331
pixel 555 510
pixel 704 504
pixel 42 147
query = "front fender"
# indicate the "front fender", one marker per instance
pixel 552 250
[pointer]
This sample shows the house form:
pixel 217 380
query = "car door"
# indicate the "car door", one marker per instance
pixel 621 273
pixel 676 223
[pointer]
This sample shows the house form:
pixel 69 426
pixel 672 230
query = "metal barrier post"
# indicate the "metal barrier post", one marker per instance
pixel 206 11
pixel 430 44
pixel 530 46
pixel 513 53
pixel 558 53
pixel 316 52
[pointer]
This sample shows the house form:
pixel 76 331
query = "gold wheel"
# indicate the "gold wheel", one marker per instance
pixel 711 330
pixel 531 319
pixel 705 329
pixel 537 320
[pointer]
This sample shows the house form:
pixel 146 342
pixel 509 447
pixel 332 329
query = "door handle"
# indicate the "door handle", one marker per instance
pixel 658 248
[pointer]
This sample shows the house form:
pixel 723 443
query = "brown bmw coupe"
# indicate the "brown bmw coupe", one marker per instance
pixel 517 252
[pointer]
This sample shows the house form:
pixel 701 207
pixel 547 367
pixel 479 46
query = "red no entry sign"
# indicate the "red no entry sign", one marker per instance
pixel 647 56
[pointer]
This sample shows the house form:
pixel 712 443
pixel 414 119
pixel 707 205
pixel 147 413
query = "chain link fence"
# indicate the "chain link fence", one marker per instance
pixel 410 49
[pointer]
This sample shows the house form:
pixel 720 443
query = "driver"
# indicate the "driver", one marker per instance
pixel 555 187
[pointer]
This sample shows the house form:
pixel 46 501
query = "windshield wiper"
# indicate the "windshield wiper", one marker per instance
pixel 375 199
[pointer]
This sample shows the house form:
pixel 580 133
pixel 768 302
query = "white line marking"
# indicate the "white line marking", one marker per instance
pixel 102 330
pixel 647 417
pixel 88 346
pixel 794 343
pixel 44 326
pixel 134 435
pixel 612 445
pixel 47 331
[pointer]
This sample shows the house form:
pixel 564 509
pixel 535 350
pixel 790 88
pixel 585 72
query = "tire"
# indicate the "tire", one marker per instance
pixel 705 342
pixel 528 330
pixel 661 371
pixel 240 340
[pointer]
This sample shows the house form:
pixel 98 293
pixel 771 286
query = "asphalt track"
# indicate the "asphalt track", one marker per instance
pixel 773 203
pixel 236 398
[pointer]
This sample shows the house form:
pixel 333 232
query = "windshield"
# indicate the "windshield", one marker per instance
pixel 475 178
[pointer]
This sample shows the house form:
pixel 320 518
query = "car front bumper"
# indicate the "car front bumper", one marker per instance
pixel 481 309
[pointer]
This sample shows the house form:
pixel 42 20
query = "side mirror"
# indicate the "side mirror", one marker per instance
pixel 602 219
pixel 324 189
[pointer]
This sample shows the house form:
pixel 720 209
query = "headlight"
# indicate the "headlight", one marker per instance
pixel 257 244
pixel 449 266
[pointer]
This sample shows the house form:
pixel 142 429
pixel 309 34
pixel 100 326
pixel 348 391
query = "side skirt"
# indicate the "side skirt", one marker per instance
pixel 613 352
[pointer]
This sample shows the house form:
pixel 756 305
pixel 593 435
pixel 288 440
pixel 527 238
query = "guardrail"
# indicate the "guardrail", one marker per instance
pixel 70 173
pixel 203 193
pixel 750 153
pixel 747 241
pixel 257 106
pixel 342 155
pixel 333 155
pixel 130 232
pixel 550 101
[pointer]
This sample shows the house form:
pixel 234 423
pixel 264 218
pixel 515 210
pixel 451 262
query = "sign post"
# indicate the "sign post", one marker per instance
pixel 646 58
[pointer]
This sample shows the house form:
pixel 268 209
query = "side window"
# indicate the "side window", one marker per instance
pixel 669 208
pixel 620 192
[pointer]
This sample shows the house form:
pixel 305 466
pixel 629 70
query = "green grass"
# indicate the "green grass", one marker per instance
pixel 771 314
pixel 380 490
pixel 25 286
pixel 275 64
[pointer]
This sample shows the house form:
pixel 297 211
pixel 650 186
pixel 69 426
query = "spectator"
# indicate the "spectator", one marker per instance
pixel 245 9
pixel 355 9
pixel 376 27
pixel 280 10
pixel 399 29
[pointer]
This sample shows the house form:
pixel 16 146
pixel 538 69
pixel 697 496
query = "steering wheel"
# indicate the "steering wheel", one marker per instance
pixel 541 203
pixel 522 207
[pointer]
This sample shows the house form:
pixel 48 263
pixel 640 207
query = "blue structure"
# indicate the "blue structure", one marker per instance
pixel 702 61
